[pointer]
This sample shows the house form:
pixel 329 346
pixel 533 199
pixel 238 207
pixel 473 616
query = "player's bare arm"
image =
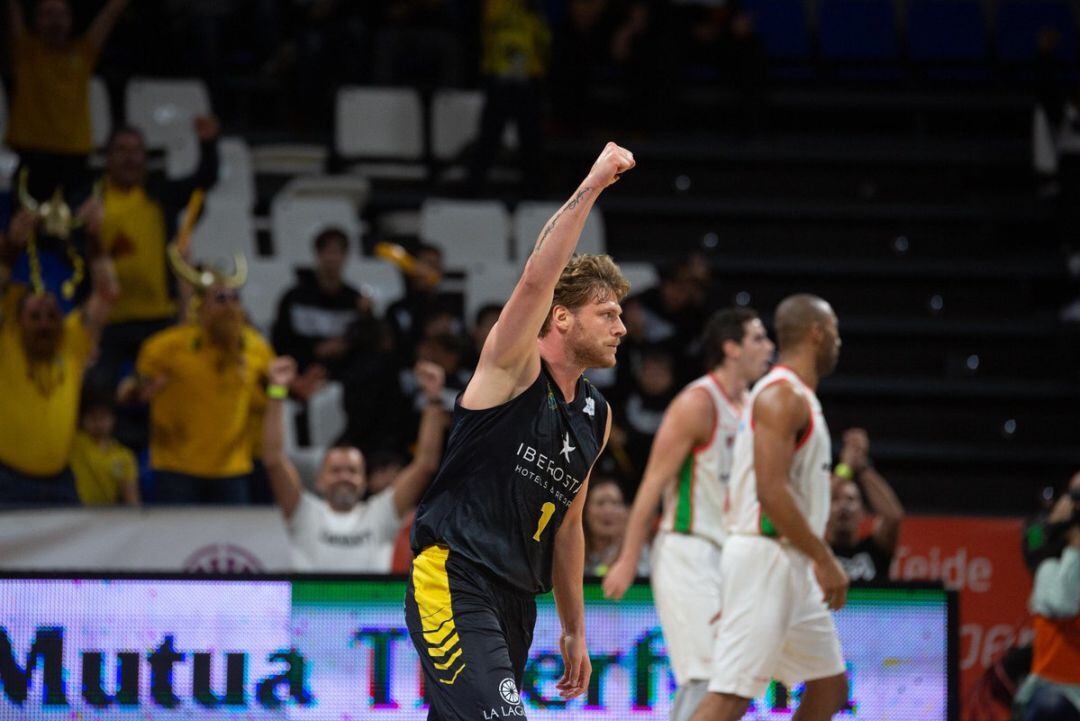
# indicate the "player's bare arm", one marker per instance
pixel 879 494
pixel 510 359
pixel 886 504
pixel 567 571
pixel 413 480
pixel 283 476
pixel 688 422
pixel 780 414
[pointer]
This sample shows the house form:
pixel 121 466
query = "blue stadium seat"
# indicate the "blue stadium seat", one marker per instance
pixel 1020 21
pixel 782 27
pixel 947 31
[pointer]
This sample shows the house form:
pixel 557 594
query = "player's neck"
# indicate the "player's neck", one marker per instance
pixel 563 370
pixel 802 365
pixel 731 382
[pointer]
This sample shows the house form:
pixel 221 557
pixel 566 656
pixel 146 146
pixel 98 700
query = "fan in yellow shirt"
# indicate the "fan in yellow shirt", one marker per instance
pixel 204 381
pixel 50 108
pixel 106 472
pixel 43 355
pixel 140 213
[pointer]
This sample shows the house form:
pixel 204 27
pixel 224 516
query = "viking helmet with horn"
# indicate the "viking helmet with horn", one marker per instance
pixel 57 221
pixel 55 214
pixel 203 278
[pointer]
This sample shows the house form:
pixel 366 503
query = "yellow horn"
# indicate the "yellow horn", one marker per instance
pixel 200 279
pixel 25 199
pixel 239 276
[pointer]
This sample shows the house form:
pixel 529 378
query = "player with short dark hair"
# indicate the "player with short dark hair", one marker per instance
pixel 689 465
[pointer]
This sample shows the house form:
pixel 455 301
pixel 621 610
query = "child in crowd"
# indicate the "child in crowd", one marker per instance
pixel 106 472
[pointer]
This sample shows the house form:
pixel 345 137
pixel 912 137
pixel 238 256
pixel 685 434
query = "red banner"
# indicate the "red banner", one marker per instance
pixel 980 558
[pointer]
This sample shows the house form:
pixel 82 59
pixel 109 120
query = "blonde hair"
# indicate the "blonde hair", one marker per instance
pixel 585 279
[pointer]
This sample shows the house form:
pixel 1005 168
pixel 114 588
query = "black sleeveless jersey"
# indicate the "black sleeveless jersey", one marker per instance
pixel 508 477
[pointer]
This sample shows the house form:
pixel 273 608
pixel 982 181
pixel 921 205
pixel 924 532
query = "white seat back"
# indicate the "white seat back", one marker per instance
pixel 165 110
pixel 295 222
pixel 642 276
pixel 226 227
pixel 492 283
pixel 531 216
pixel 377 279
pixel 326 415
pixel 470 232
pixel 236 176
pixel 268 279
pixel 379 123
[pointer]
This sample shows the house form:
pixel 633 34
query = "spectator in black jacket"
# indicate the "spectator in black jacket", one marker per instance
pixel 315 316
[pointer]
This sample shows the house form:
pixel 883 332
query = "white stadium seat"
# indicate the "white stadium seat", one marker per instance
pixel 529 220
pixel 326 415
pixel 226 227
pixel 381 124
pixel 297 220
pixel 236 176
pixel 469 232
pixel 492 283
pixel 642 276
pixel 455 121
pixel 353 188
pixel 165 110
pixel 267 282
pixel 379 280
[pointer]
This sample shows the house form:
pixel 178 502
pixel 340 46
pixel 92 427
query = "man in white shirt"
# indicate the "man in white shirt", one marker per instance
pixel 338 531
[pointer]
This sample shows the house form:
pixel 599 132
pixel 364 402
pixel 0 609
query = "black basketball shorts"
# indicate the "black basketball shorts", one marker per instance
pixel 472 633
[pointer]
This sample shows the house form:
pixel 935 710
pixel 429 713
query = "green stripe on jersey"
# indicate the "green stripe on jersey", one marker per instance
pixel 767 528
pixel 684 510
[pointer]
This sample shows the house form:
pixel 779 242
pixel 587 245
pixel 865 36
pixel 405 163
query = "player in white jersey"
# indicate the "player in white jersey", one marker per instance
pixel 781 578
pixel 689 464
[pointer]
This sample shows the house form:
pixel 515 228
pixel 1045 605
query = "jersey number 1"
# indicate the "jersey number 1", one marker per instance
pixel 546 512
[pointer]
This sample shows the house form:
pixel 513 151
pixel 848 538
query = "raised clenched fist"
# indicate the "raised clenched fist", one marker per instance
pixel 613 162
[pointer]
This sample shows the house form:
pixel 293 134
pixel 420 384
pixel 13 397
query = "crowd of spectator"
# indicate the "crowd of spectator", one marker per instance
pixel 288 57
pixel 137 387
pixel 154 387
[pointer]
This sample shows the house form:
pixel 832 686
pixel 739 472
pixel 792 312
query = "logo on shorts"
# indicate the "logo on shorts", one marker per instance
pixel 508 691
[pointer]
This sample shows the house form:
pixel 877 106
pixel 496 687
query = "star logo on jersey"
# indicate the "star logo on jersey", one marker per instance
pixel 590 407
pixel 566 447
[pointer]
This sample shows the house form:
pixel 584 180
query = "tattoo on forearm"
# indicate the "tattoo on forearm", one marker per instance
pixel 555 219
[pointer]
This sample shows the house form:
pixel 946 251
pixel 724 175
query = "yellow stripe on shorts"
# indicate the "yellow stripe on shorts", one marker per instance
pixel 431 588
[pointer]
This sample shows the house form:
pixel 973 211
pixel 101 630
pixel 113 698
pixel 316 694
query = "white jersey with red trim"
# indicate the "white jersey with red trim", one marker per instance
pixel 810 467
pixel 697 503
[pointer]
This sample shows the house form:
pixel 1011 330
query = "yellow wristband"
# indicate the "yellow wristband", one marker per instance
pixel 277 392
pixel 844 471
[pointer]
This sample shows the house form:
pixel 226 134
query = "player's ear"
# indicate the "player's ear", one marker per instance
pixel 561 317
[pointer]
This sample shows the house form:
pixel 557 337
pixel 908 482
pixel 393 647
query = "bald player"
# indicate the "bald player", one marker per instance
pixel 782 577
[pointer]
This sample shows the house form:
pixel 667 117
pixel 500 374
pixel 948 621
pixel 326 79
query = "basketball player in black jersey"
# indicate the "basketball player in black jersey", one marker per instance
pixel 501 522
